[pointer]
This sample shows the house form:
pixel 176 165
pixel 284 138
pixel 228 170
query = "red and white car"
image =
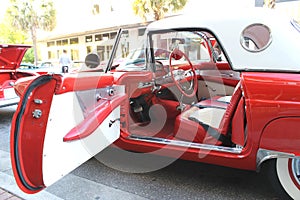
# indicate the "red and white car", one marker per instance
pixel 228 94
pixel 10 59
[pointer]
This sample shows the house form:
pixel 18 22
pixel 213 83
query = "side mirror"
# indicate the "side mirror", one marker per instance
pixel 92 60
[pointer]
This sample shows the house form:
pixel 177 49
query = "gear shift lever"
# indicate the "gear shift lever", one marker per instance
pixel 181 105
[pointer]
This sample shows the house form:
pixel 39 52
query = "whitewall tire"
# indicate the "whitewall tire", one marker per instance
pixel 284 174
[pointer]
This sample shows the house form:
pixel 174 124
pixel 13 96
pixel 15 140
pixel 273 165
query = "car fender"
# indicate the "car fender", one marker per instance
pixel 280 138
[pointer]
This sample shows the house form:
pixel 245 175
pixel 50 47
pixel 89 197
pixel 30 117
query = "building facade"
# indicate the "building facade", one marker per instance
pixel 95 24
pixel 100 41
pixel 86 26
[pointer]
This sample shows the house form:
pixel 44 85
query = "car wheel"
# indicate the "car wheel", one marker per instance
pixel 284 175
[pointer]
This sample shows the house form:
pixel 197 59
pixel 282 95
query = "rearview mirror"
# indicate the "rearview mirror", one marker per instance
pixel 178 40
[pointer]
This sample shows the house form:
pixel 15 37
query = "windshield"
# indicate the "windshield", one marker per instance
pixel 188 42
pixel 156 47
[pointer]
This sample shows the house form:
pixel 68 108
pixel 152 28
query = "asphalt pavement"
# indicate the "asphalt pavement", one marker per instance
pixel 97 180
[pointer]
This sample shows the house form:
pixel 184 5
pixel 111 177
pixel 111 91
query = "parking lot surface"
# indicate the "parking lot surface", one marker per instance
pixel 97 180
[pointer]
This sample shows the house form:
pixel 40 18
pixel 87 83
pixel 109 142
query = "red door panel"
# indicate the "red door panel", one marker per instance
pixel 54 132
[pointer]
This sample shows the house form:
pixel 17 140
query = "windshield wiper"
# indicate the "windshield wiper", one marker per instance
pixel 114 50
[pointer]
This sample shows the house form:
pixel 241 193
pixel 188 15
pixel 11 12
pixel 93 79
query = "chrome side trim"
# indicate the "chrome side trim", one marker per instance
pixel 265 154
pixel 234 150
pixel 9 102
pixel 88 99
pixel 145 84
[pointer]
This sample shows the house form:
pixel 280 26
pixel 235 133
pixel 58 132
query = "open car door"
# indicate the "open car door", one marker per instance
pixel 61 122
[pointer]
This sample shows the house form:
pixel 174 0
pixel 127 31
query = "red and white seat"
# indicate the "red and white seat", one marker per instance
pixel 214 122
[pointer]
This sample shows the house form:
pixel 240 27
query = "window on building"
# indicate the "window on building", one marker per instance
pixel 51 54
pixel 65 42
pixel 50 44
pixel 105 36
pixel 74 54
pixel 98 37
pixel 125 49
pixel 108 50
pixel 113 35
pixel 89 38
pixel 96 9
pixel 74 41
pixel 88 49
pixel 142 31
pixel 125 33
pixel 58 43
pixel 101 51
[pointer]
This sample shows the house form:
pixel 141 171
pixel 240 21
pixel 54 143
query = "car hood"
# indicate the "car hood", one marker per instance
pixel 11 56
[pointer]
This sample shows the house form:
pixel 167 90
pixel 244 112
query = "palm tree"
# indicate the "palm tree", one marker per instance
pixel 156 7
pixel 270 3
pixel 31 15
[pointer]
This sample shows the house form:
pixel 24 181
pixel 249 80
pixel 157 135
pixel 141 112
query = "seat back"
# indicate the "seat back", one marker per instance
pixel 194 117
pixel 238 135
pixel 230 110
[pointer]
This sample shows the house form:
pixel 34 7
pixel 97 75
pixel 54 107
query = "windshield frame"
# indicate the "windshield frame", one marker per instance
pixel 202 33
pixel 114 50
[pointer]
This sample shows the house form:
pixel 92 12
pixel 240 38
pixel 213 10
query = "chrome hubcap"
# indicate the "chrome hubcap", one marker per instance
pixel 296 169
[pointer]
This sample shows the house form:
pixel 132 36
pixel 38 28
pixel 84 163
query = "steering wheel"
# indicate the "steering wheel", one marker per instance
pixel 177 78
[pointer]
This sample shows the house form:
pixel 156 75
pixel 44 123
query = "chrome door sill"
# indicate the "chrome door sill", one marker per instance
pixel 234 150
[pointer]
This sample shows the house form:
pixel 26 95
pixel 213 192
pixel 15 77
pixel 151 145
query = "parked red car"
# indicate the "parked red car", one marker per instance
pixel 228 94
pixel 10 59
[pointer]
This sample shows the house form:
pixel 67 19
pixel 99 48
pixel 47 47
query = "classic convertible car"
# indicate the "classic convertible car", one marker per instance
pixel 10 59
pixel 227 93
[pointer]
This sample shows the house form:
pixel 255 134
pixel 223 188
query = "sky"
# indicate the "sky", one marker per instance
pixel 123 12
pixel 228 4
pixel 65 7
pixel 72 14
pixel 4 4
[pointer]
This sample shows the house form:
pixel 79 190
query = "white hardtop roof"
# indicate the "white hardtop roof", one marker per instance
pixel 283 54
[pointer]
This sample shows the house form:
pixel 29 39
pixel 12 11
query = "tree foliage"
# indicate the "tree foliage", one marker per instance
pixel 29 56
pixel 31 15
pixel 270 3
pixel 157 8
pixel 11 35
